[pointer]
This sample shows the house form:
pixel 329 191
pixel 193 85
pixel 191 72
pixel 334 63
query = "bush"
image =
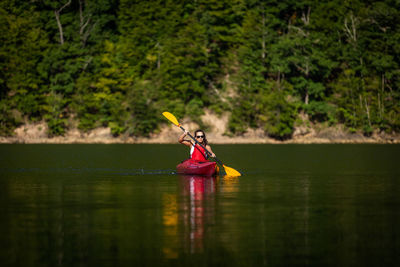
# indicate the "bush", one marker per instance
pixel 57 126
pixel 116 129
pixel 9 119
pixel 368 130
pixel 320 111
pixel 278 116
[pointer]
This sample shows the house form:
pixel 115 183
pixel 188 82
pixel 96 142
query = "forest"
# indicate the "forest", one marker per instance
pixel 120 63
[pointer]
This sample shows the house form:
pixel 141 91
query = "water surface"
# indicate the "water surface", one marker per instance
pixel 123 205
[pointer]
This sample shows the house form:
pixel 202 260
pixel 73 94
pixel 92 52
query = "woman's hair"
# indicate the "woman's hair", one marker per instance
pixel 204 139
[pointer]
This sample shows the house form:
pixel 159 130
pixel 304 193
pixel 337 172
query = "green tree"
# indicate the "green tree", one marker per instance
pixel 21 43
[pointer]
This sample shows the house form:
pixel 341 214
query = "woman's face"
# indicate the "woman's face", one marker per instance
pixel 199 137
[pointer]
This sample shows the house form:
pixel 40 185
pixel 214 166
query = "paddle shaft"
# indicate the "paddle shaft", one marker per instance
pixel 205 149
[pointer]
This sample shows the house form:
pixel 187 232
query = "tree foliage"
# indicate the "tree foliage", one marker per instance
pixel 117 64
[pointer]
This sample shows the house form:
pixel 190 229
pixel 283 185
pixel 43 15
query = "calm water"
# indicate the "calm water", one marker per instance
pixel 123 205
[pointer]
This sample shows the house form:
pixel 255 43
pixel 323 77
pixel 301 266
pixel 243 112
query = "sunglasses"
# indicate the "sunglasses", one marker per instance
pixel 200 136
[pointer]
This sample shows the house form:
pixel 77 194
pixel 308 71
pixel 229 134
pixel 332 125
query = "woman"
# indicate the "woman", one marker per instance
pixel 196 151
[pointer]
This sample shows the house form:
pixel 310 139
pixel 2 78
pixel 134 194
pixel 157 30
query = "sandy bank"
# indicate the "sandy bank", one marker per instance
pixel 37 134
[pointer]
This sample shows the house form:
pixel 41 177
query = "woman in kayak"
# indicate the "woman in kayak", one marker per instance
pixel 196 151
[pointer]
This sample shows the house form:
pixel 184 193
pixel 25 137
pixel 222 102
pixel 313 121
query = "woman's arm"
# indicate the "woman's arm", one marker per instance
pixel 209 149
pixel 183 141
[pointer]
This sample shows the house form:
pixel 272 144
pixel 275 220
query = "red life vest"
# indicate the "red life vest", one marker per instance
pixel 197 153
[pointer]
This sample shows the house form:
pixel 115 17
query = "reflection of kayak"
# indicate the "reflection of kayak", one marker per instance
pixel 189 166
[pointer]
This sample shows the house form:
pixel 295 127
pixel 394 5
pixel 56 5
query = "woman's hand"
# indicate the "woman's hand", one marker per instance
pixel 182 139
pixel 183 135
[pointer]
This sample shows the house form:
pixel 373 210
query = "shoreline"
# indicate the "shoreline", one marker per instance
pixel 216 141
pixel 37 134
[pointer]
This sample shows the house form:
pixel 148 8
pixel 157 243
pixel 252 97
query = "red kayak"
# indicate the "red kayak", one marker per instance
pixel 189 166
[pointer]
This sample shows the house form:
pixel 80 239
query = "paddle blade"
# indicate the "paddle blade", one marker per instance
pixel 231 172
pixel 171 118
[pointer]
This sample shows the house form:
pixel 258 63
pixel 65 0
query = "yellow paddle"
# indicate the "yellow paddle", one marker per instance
pixel 223 169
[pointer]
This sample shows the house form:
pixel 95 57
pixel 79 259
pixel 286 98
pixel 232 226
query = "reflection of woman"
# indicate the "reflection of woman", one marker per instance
pixel 196 151
pixel 199 210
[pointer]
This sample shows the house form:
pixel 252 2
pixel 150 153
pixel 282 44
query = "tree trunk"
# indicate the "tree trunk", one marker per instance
pixel 307 72
pixel 382 96
pixel 263 37
pixel 82 23
pixel 367 110
pixel 84 32
pixel 57 14
pixel 379 105
pixel 306 17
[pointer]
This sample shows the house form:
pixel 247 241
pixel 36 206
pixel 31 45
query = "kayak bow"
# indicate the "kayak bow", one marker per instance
pixel 189 166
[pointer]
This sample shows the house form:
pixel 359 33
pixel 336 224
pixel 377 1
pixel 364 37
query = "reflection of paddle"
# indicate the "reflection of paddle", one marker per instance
pixel 223 170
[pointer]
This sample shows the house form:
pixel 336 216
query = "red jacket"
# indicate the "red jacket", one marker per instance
pixel 198 153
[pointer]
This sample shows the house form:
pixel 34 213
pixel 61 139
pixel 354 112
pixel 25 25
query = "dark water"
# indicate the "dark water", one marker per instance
pixel 122 205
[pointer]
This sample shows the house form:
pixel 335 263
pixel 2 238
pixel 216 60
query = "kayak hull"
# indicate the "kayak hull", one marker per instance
pixel 204 168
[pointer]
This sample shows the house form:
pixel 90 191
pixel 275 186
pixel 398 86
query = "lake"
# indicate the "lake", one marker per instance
pixel 123 205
